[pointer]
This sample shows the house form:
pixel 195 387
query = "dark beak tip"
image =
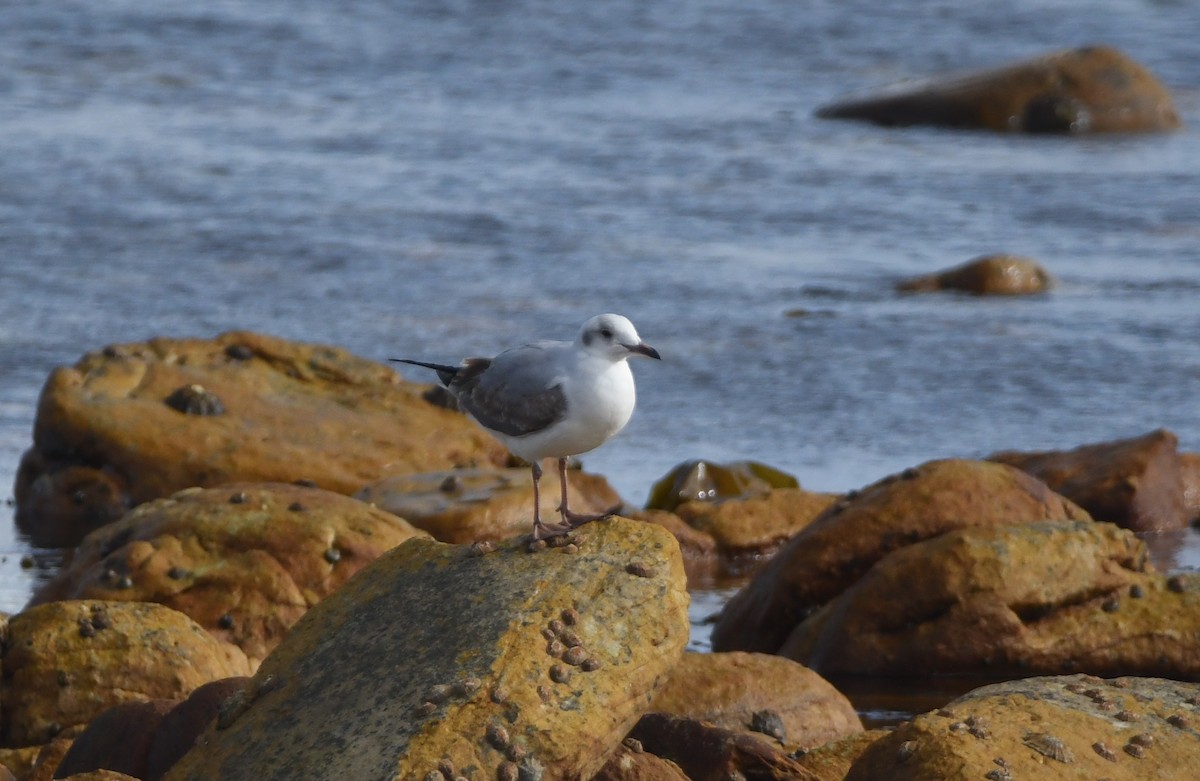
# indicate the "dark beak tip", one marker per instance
pixel 649 351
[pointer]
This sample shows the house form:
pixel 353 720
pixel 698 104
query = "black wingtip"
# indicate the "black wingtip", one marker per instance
pixel 445 373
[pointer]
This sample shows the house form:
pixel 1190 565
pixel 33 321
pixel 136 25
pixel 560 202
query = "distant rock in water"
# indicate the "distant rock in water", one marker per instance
pixel 1094 89
pixel 987 275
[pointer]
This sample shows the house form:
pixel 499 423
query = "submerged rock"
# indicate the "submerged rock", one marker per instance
pixel 1050 729
pixel 838 548
pixel 987 275
pixel 1094 89
pixel 137 422
pixel 471 505
pixel 1050 597
pixel 507 662
pixel 244 561
pixel 1136 483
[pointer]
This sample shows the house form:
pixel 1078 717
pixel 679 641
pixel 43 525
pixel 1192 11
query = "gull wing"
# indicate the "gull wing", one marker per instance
pixel 516 393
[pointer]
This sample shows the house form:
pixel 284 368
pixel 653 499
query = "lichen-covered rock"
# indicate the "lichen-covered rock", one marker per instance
pixel 1136 483
pixel 136 422
pixel 66 662
pixel 1093 89
pixel 244 561
pixel 706 752
pixel 844 542
pixel 988 275
pixel 701 559
pixel 498 663
pixel 760 693
pixel 1033 598
pixel 472 505
pixel 1071 728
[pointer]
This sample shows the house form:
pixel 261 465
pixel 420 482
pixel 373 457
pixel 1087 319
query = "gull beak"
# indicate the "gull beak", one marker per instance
pixel 641 348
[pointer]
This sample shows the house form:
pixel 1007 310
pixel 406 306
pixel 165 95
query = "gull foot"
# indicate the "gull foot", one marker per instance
pixel 544 531
pixel 575 520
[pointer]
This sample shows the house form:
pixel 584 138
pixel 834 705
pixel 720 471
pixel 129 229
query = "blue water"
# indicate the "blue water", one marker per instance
pixel 445 178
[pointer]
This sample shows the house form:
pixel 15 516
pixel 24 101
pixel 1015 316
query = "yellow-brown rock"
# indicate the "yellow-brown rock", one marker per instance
pixel 136 422
pixel 987 275
pixel 759 693
pixel 701 560
pixel 244 561
pixel 1094 89
pixel 1051 597
pixel 1071 728
pixel 831 761
pixel 473 505
pixel 1136 483
pixel 1189 466
pixel 706 481
pixel 838 547
pixel 65 662
pixel 506 662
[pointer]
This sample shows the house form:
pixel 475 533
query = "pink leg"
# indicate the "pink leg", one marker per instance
pixel 575 520
pixel 542 530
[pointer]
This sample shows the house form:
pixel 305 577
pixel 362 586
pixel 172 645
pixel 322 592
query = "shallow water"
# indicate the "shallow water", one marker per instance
pixel 444 178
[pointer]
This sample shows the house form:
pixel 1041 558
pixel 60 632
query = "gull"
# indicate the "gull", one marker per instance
pixel 552 399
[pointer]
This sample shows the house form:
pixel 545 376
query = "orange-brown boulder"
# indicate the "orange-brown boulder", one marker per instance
pixel 136 422
pixel 244 561
pixel 844 542
pixel 631 763
pixel 1069 728
pixel 1189 466
pixel 1094 89
pixel 66 662
pixel 1048 597
pixel 473 505
pixel 759 693
pixel 706 752
pixel 1136 483
pixel 987 275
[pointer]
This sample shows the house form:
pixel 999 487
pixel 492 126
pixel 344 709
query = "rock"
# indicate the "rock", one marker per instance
pixel 758 693
pixel 634 764
pixel 831 761
pixel 178 730
pixel 1051 597
pixel 244 561
pixel 484 504
pixel 701 560
pixel 1189 466
pixel 100 775
pixel 705 481
pixel 66 662
pixel 6 774
pixel 19 761
pixel 1093 89
pixel 1049 729
pixel 987 275
pixel 49 756
pixel 137 422
pixel 838 547
pixel 511 660
pixel 709 753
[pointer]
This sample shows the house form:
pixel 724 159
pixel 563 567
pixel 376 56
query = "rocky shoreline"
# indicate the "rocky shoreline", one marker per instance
pixel 288 562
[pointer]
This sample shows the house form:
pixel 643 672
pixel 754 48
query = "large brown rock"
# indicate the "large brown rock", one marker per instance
pixel 840 546
pixel 244 561
pixel 1136 483
pixel 706 752
pixel 635 764
pixel 1052 597
pixel 759 693
pixel 498 664
pixel 987 275
pixel 1092 89
pixel 1072 728
pixel 484 504
pixel 66 662
pixel 136 422
pixel 831 761
pixel 1189 466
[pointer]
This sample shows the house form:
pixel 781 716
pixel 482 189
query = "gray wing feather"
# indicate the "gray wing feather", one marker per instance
pixel 518 392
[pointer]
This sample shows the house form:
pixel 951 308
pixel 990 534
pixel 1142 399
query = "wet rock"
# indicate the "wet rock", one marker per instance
pixel 759 693
pixel 1094 89
pixel 709 753
pixel 66 662
pixel 987 275
pixel 844 542
pixel 626 764
pixel 484 504
pixel 705 481
pixel 1048 729
pixel 362 673
pixel 244 561
pixel 1047 597
pixel 106 438
pixel 1136 483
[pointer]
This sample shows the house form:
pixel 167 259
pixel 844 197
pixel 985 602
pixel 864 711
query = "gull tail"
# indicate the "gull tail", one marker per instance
pixel 445 373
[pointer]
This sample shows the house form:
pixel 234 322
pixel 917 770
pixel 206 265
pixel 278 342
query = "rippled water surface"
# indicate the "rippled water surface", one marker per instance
pixel 445 178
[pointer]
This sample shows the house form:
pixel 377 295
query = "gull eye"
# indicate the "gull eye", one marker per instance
pixel 606 333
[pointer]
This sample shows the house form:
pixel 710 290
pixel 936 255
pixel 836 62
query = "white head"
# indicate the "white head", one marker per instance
pixel 613 336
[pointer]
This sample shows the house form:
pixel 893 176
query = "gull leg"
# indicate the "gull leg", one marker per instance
pixel 542 530
pixel 575 520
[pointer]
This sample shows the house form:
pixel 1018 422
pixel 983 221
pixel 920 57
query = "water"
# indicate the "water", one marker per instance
pixel 441 178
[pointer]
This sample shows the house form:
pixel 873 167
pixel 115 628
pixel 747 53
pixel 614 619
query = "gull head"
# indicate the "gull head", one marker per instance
pixel 614 337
